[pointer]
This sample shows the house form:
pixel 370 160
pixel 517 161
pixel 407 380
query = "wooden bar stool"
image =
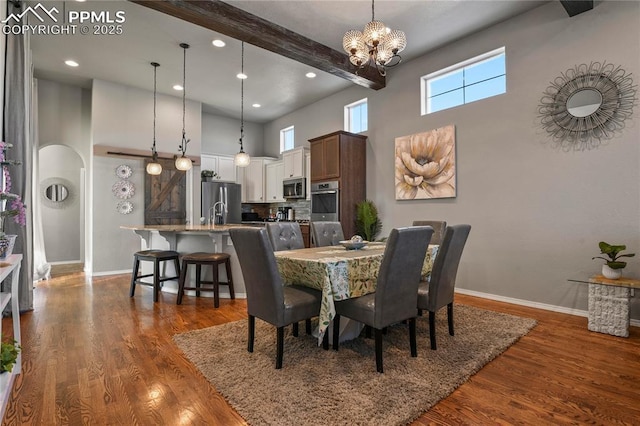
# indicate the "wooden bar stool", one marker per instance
pixel 204 259
pixel 155 256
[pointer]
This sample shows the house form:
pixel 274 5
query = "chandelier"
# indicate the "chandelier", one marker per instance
pixel 153 167
pixel 183 162
pixel 377 45
pixel 242 159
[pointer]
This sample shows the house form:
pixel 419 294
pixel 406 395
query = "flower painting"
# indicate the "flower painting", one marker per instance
pixel 425 165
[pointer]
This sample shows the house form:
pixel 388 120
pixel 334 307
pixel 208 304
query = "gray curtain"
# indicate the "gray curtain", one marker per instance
pixel 17 130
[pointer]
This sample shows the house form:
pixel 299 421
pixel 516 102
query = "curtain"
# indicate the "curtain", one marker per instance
pixel 41 269
pixel 17 126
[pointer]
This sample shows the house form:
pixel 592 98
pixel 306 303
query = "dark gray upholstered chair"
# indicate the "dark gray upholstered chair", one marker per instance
pixel 396 289
pixel 267 298
pixel 285 235
pixel 326 233
pixel 438 292
pixel 438 226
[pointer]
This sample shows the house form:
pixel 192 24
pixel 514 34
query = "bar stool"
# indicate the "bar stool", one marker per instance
pixel 155 256
pixel 200 259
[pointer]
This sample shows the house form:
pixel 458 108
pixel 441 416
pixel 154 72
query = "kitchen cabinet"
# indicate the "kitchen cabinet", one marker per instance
pixel 274 173
pixel 254 182
pixel 221 164
pixel 293 160
pixel 307 173
pixel 341 156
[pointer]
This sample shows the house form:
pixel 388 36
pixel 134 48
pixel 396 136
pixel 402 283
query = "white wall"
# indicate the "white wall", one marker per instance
pixel 220 135
pixel 537 214
pixel 3 41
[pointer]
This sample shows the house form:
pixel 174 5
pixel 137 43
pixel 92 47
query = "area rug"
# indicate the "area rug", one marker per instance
pixel 343 388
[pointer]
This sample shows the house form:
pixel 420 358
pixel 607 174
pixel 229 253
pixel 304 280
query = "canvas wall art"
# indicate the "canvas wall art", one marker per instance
pixel 425 165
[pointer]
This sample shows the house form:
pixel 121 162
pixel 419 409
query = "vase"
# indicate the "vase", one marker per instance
pixel 6 245
pixel 612 274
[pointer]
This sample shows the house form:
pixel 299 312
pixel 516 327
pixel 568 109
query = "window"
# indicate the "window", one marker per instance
pixel 474 79
pixel 286 139
pixel 356 117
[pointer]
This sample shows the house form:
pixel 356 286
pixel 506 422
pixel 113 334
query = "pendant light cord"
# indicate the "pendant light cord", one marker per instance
pixel 155 71
pixel 373 11
pixel 183 145
pixel 242 99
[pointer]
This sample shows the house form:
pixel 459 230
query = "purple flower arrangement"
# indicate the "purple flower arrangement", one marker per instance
pixel 11 205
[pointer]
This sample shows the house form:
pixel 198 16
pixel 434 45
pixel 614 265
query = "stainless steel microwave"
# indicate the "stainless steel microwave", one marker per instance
pixel 294 188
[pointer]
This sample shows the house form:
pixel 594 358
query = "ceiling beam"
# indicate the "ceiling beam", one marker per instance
pixel 241 25
pixel 576 7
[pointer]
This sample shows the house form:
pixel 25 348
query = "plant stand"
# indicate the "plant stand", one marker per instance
pixel 609 309
pixel 7 266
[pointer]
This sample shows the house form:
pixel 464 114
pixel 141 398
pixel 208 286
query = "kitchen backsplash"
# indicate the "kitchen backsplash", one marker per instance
pixel 302 208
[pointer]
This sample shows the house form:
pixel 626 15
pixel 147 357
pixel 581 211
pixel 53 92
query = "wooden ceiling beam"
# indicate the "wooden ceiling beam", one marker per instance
pixel 241 25
pixel 576 7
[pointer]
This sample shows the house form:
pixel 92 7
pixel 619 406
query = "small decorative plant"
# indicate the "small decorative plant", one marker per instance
pixel 204 174
pixel 613 253
pixel 368 223
pixel 11 205
pixel 8 355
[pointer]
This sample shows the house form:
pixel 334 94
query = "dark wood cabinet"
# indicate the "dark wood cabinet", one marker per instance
pixel 342 156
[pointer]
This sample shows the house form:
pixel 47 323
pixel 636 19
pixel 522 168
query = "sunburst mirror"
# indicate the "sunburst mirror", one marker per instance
pixel 587 104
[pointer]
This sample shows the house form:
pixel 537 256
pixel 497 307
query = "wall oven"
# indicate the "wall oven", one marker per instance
pixel 324 201
pixel 294 188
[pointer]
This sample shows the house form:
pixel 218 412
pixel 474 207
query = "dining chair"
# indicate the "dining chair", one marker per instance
pixel 285 235
pixel 438 291
pixel 267 297
pixel 438 226
pixel 396 289
pixel 326 233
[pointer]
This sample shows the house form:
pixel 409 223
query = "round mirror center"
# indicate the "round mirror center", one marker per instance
pixel 584 102
pixel 56 192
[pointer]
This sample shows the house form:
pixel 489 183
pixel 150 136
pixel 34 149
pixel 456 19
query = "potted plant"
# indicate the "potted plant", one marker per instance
pixel 612 268
pixel 11 205
pixel 368 224
pixel 8 356
pixel 208 175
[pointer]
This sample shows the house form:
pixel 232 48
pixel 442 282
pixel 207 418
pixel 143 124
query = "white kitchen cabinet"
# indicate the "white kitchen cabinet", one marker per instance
pixel 254 180
pixel 307 172
pixel 294 163
pixel 221 164
pixel 273 174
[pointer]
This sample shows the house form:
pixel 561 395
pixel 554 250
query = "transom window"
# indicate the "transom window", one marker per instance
pixel 356 117
pixel 477 78
pixel 286 139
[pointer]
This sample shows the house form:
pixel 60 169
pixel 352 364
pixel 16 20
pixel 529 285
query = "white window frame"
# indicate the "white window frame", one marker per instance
pixel 347 111
pixel 424 106
pixel 283 132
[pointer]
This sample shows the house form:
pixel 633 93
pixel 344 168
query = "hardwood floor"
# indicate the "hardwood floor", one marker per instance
pixel 92 355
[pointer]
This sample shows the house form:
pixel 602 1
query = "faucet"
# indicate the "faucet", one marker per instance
pixel 213 213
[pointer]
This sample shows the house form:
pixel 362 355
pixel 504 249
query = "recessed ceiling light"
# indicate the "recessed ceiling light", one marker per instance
pixel 177 87
pixel 311 75
pixel 218 43
pixel 256 105
pixel 71 63
pixel 241 76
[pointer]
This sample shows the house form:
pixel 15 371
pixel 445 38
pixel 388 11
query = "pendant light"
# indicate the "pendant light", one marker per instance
pixel 183 162
pixel 242 159
pixel 154 168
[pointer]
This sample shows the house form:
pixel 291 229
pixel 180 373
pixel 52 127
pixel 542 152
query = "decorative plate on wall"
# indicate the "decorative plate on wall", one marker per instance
pixel 124 207
pixel 123 171
pixel 123 189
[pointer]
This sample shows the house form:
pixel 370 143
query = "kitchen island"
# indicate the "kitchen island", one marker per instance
pixel 189 239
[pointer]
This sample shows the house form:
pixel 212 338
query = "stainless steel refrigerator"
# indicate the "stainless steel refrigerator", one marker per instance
pixel 221 202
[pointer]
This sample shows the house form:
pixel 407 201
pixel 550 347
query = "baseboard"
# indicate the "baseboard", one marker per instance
pixel 102 274
pixel 528 303
pixel 65 262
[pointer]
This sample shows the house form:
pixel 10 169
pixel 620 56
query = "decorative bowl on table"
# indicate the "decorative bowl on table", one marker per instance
pixel 353 245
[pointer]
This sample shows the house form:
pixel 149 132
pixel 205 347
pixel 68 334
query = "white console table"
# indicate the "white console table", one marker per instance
pixel 8 265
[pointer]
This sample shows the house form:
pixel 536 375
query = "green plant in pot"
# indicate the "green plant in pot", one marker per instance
pixel 613 267
pixel 368 224
pixel 207 175
pixel 8 355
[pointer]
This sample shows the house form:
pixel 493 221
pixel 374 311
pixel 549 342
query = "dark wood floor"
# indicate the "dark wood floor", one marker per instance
pixel 92 355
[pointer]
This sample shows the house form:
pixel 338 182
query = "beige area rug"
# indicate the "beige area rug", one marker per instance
pixel 343 388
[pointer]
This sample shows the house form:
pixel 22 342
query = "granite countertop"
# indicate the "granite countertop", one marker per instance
pixel 188 228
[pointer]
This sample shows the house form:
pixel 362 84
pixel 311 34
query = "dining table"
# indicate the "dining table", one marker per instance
pixel 338 273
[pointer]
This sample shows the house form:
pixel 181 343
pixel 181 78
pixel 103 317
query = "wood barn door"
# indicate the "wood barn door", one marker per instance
pixel 165 199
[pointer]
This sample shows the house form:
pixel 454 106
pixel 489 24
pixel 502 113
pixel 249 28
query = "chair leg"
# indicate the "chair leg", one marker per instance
pixel 450 317
pixel 307 325
pixel 295 329
pixel 412 337
pixel 134 276
pixel 216 286
pixel 367 332
pixel 183 277
pixel 156 279
pixel 378 334
pixel 227 265
pixel 176 261
pixel 325 340
pixel 198 278
pixel 336 332
pixel 280 348
pixel 251 333
pixel 432 329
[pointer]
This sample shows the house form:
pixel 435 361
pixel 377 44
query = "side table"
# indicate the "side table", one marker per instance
pixel 609 303
pixel 7 266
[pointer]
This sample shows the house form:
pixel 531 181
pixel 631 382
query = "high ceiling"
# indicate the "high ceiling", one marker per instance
pixel 277 83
